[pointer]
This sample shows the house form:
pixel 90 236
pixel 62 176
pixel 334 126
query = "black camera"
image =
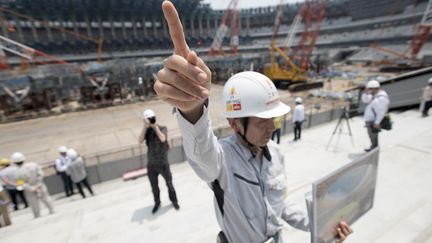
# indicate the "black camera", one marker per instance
pixel 152 120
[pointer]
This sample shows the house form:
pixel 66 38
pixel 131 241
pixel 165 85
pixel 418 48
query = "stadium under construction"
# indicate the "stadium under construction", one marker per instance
pixel 80 73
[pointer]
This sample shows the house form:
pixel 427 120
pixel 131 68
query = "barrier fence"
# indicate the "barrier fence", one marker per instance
pixel 112 164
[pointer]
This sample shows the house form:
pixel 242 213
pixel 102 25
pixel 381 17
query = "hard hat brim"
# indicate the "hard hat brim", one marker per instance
pixel 279 110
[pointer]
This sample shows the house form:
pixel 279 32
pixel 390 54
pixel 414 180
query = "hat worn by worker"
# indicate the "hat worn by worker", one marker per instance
pixel 251 94
pixel 299 100
pixel 149 113
pixel 4 162
pixel 62 149
pixel 17 157
pixel 373 84
pixel 72 154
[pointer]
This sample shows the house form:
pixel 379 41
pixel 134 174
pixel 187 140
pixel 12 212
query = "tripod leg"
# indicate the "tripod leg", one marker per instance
pixel 334 132
pixel 349 130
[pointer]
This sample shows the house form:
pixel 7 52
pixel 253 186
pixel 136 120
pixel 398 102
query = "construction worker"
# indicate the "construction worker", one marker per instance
pixel 298 118
pixel 30 179
pixel 427 98
pixel 76 170
pixel 377 101
pixel 4 201
pixel 61 164
pixel 278 125
pixel 7 177
pixel 155 137
pixel 245 171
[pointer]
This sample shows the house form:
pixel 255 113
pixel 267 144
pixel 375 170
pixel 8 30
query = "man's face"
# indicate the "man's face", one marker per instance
pixel 63 154
pixel 259 130
pixel 373 91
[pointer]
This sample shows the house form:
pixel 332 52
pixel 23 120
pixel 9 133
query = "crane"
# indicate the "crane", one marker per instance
pixel 26 52
pixel 419 38
pixel 231 19
pixel 291 73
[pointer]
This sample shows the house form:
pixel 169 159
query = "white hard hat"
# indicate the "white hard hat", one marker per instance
pixel 298 100
pixel 62 149
pixel 251 94
pixel 71 154
pixel 373 84
pixel 17 157
pixel 430 81
pixel 149 113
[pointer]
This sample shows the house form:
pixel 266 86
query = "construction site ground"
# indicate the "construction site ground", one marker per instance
pixel 121 211
pixel 106 129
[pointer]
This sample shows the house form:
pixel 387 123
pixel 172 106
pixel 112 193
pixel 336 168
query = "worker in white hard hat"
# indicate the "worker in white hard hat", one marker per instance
pixel 8 179
pixel 298 117
pixel 245 170
pixel 377 101
pixel 156 138
pixel 61 164
pixel 77 171
pixel 30 179
pixel 427 98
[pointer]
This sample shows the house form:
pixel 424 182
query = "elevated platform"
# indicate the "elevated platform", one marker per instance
pixel 121 211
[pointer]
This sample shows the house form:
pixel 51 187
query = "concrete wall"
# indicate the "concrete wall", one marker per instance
pixel 105 167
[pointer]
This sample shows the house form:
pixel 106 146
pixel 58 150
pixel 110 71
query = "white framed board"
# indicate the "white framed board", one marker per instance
pixel 345 194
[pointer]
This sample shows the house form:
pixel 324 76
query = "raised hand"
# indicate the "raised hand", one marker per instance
pixel 184 81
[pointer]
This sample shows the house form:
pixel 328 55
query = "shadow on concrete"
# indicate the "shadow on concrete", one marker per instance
pixel 142 214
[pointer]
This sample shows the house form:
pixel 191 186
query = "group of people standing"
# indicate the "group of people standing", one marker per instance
pixel 25 180
pixel 71 168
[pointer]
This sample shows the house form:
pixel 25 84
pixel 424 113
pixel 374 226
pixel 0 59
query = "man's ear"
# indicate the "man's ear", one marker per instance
pixel 235 124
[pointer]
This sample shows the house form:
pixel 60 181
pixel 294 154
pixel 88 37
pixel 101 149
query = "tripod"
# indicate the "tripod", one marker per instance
pixel 344 116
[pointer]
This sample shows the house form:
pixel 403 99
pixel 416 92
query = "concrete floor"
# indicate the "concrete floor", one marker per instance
pixel 120 212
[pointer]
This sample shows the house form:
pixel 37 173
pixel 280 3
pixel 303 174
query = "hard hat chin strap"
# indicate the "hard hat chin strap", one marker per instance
pixel 245 123
pixel 253 148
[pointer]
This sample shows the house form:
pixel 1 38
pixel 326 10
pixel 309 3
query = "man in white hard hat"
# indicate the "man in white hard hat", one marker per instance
pixel 246 170
pixel 7 177
pixel 61 165
pixel 427 98
pixel 156 138
pixel 30 178
pixel 298 118
pixel 377 101
pixel 77 171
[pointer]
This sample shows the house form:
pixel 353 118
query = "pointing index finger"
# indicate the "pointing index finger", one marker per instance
pixel 175 29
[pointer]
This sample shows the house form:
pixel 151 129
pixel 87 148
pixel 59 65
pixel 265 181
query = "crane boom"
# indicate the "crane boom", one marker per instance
pixel 231 13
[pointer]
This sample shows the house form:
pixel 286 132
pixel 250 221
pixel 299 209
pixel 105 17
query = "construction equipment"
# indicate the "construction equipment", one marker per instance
pixel 291 75
pixel 231 19
pixel 419 38
pixel 27 53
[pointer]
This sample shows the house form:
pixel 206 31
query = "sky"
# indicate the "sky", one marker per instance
pixel 223 4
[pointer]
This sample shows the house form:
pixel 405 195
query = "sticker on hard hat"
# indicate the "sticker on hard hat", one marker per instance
pixel 233 106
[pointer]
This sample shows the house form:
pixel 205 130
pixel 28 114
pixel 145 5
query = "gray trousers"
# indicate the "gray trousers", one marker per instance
pixel 373 134
pixel 34 197
pixel 4 214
